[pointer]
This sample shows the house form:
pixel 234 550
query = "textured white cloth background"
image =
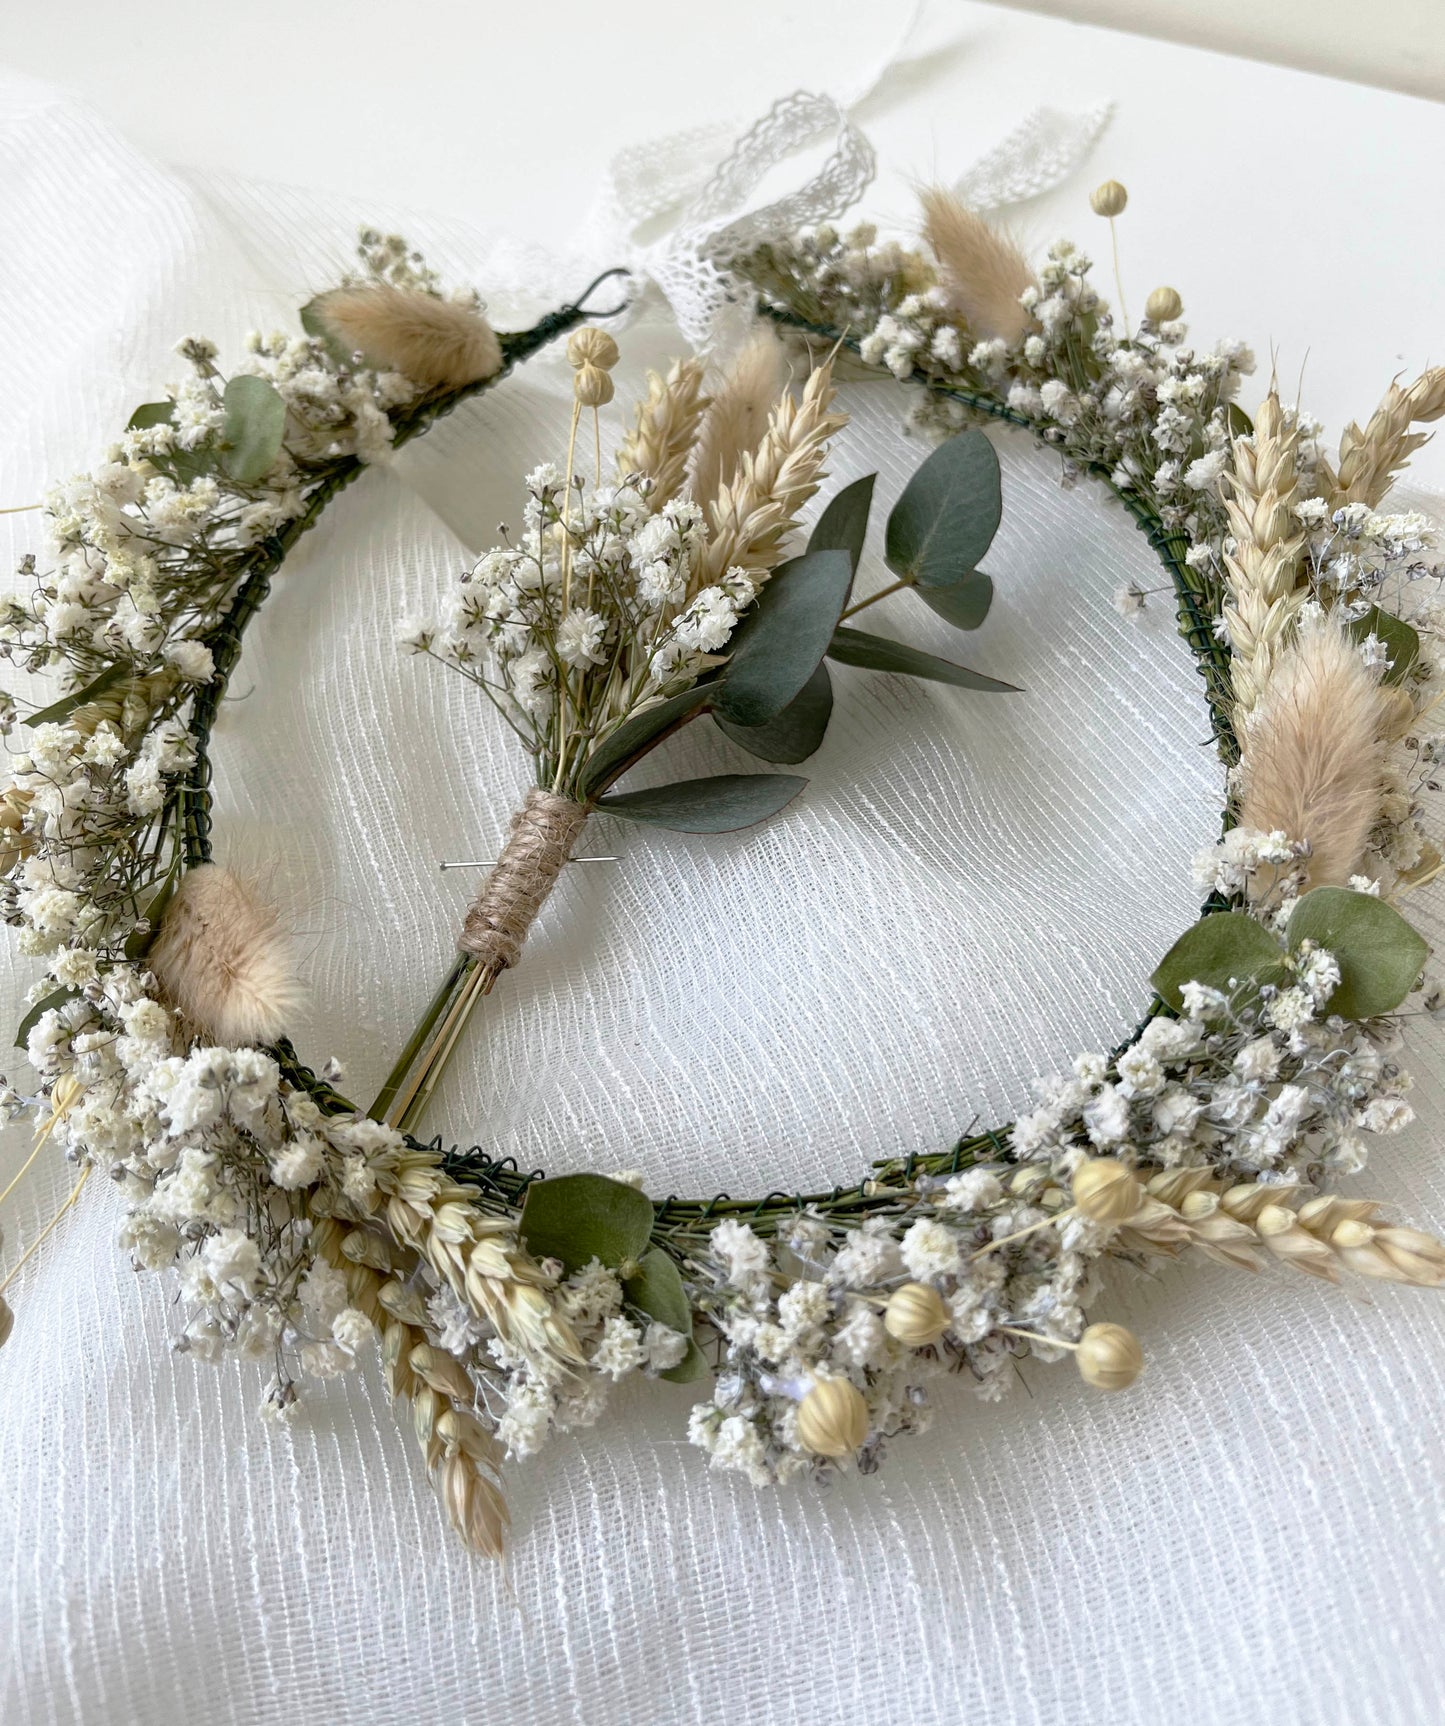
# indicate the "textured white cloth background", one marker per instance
pixel 969 892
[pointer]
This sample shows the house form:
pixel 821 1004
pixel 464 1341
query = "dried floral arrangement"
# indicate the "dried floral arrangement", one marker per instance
pixel 506 1304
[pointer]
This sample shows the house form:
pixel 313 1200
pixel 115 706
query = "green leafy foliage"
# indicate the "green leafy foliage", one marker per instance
pixel 56 998
pixel 578 1218
pixel 656 1291
pixel 947 515
pixel 783 637
pixel 254 426
pixel 1380 956
pixel 139 940
pixel 719 804
pixel 185 464
pixel 1227 950
pixel 843 525
pixel 1240 424
pixel 637 734
pixel 877 653
pixel 965 604
pixel 316 326
pixel 62 709
pixel 796 732
pixel 1402 644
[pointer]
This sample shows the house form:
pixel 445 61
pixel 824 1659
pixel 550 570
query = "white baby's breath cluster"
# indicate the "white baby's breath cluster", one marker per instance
pixel 597 612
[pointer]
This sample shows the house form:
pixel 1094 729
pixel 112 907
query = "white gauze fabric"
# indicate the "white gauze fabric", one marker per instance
pixel 971 890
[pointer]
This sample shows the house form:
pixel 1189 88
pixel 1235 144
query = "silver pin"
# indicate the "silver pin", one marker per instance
pixel 493 863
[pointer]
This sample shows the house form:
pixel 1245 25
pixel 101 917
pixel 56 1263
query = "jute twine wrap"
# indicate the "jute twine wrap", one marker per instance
pixel 544 830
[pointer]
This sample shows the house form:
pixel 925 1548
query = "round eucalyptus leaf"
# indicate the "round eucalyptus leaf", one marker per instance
pixel 1380 956
pixel 1402 644
pixel 965 604
pixel 254 426
pixel 1227 950
pixel 948 513
pixel 783 635
pixel 578 1218
pixel 796 732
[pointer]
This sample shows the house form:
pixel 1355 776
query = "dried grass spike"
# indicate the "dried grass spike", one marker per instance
pixel 222 961
pixel 1314 753
pixel 439 343
pixel 664 430
pixel 983 271
pixel 738 417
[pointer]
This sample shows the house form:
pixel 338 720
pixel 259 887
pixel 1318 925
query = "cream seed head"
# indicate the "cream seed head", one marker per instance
pixel 1163 306
pixel 832 1418
pixel 592 386
pixel 916 1315
pixel 1108 199
pixel 592 347
pixel 1109 1357
pixel 1106 1191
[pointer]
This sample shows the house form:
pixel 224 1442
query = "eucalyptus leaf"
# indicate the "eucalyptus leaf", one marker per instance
pixel 1402 644
pixel 186 464
pixel 139 940
pixel 1380 956
pixel 692 1366
pixel 1239 422
pixel 150 414
pixel 783 636
pixel 1225 950
pixel 843 525
pixel 657 1291
pixel 796 732
pixel 965 604
pixel 313 321
pixel 62 709
pixel 720 804
pixel 56 998
pixel 948 513
pixel 578 1218
pixel 877 653
pixel 637 734
pixel 254 426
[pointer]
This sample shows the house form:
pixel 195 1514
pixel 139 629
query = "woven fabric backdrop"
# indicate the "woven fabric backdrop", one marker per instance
pixel 970 892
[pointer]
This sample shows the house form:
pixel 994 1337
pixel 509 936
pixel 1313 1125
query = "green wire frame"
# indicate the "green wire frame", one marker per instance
pixel 889 1189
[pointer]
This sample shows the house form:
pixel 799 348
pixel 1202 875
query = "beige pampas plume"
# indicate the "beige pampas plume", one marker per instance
pixel 735 423
pixel 981 270
pixel 439 343
pixel 222 961
pixel 1314 752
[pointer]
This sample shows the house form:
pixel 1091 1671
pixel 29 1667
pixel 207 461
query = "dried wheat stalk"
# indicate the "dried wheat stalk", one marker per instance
pixel 462 1457
pixel 1370 459
pixel 738 416
pixel 1262 572
pixel 665 429
pixel 1247 1225
pixel 751 516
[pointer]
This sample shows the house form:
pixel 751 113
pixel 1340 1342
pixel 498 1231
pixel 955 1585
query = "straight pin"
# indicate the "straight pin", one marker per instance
pixel 493 863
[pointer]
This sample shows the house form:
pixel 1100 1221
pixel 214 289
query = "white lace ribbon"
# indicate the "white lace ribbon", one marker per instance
pixel 670 207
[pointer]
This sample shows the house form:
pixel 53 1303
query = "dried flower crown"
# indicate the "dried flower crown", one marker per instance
pixel 507 1304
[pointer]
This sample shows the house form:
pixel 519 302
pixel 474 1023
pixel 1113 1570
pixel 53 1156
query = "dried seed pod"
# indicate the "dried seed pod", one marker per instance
pixel 916 1315
pixel 1106 1190
pixel 1109 1357
pixel 592 347
pixel 832 1418
pixel 1108 199
pixel 1163 305
pixel 592 387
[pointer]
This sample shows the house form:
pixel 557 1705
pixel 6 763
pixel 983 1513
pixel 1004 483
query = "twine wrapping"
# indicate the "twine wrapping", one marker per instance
pixel 544 830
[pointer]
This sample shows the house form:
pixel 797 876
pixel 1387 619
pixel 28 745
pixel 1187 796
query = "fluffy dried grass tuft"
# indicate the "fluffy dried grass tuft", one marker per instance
pixel 738 417
pixel 1314 752
pixel 222 960
pixel 439 343
pixel 981 270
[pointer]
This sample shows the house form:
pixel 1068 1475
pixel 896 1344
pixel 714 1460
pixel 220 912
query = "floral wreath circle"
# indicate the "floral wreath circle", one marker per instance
pixel 508 1304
